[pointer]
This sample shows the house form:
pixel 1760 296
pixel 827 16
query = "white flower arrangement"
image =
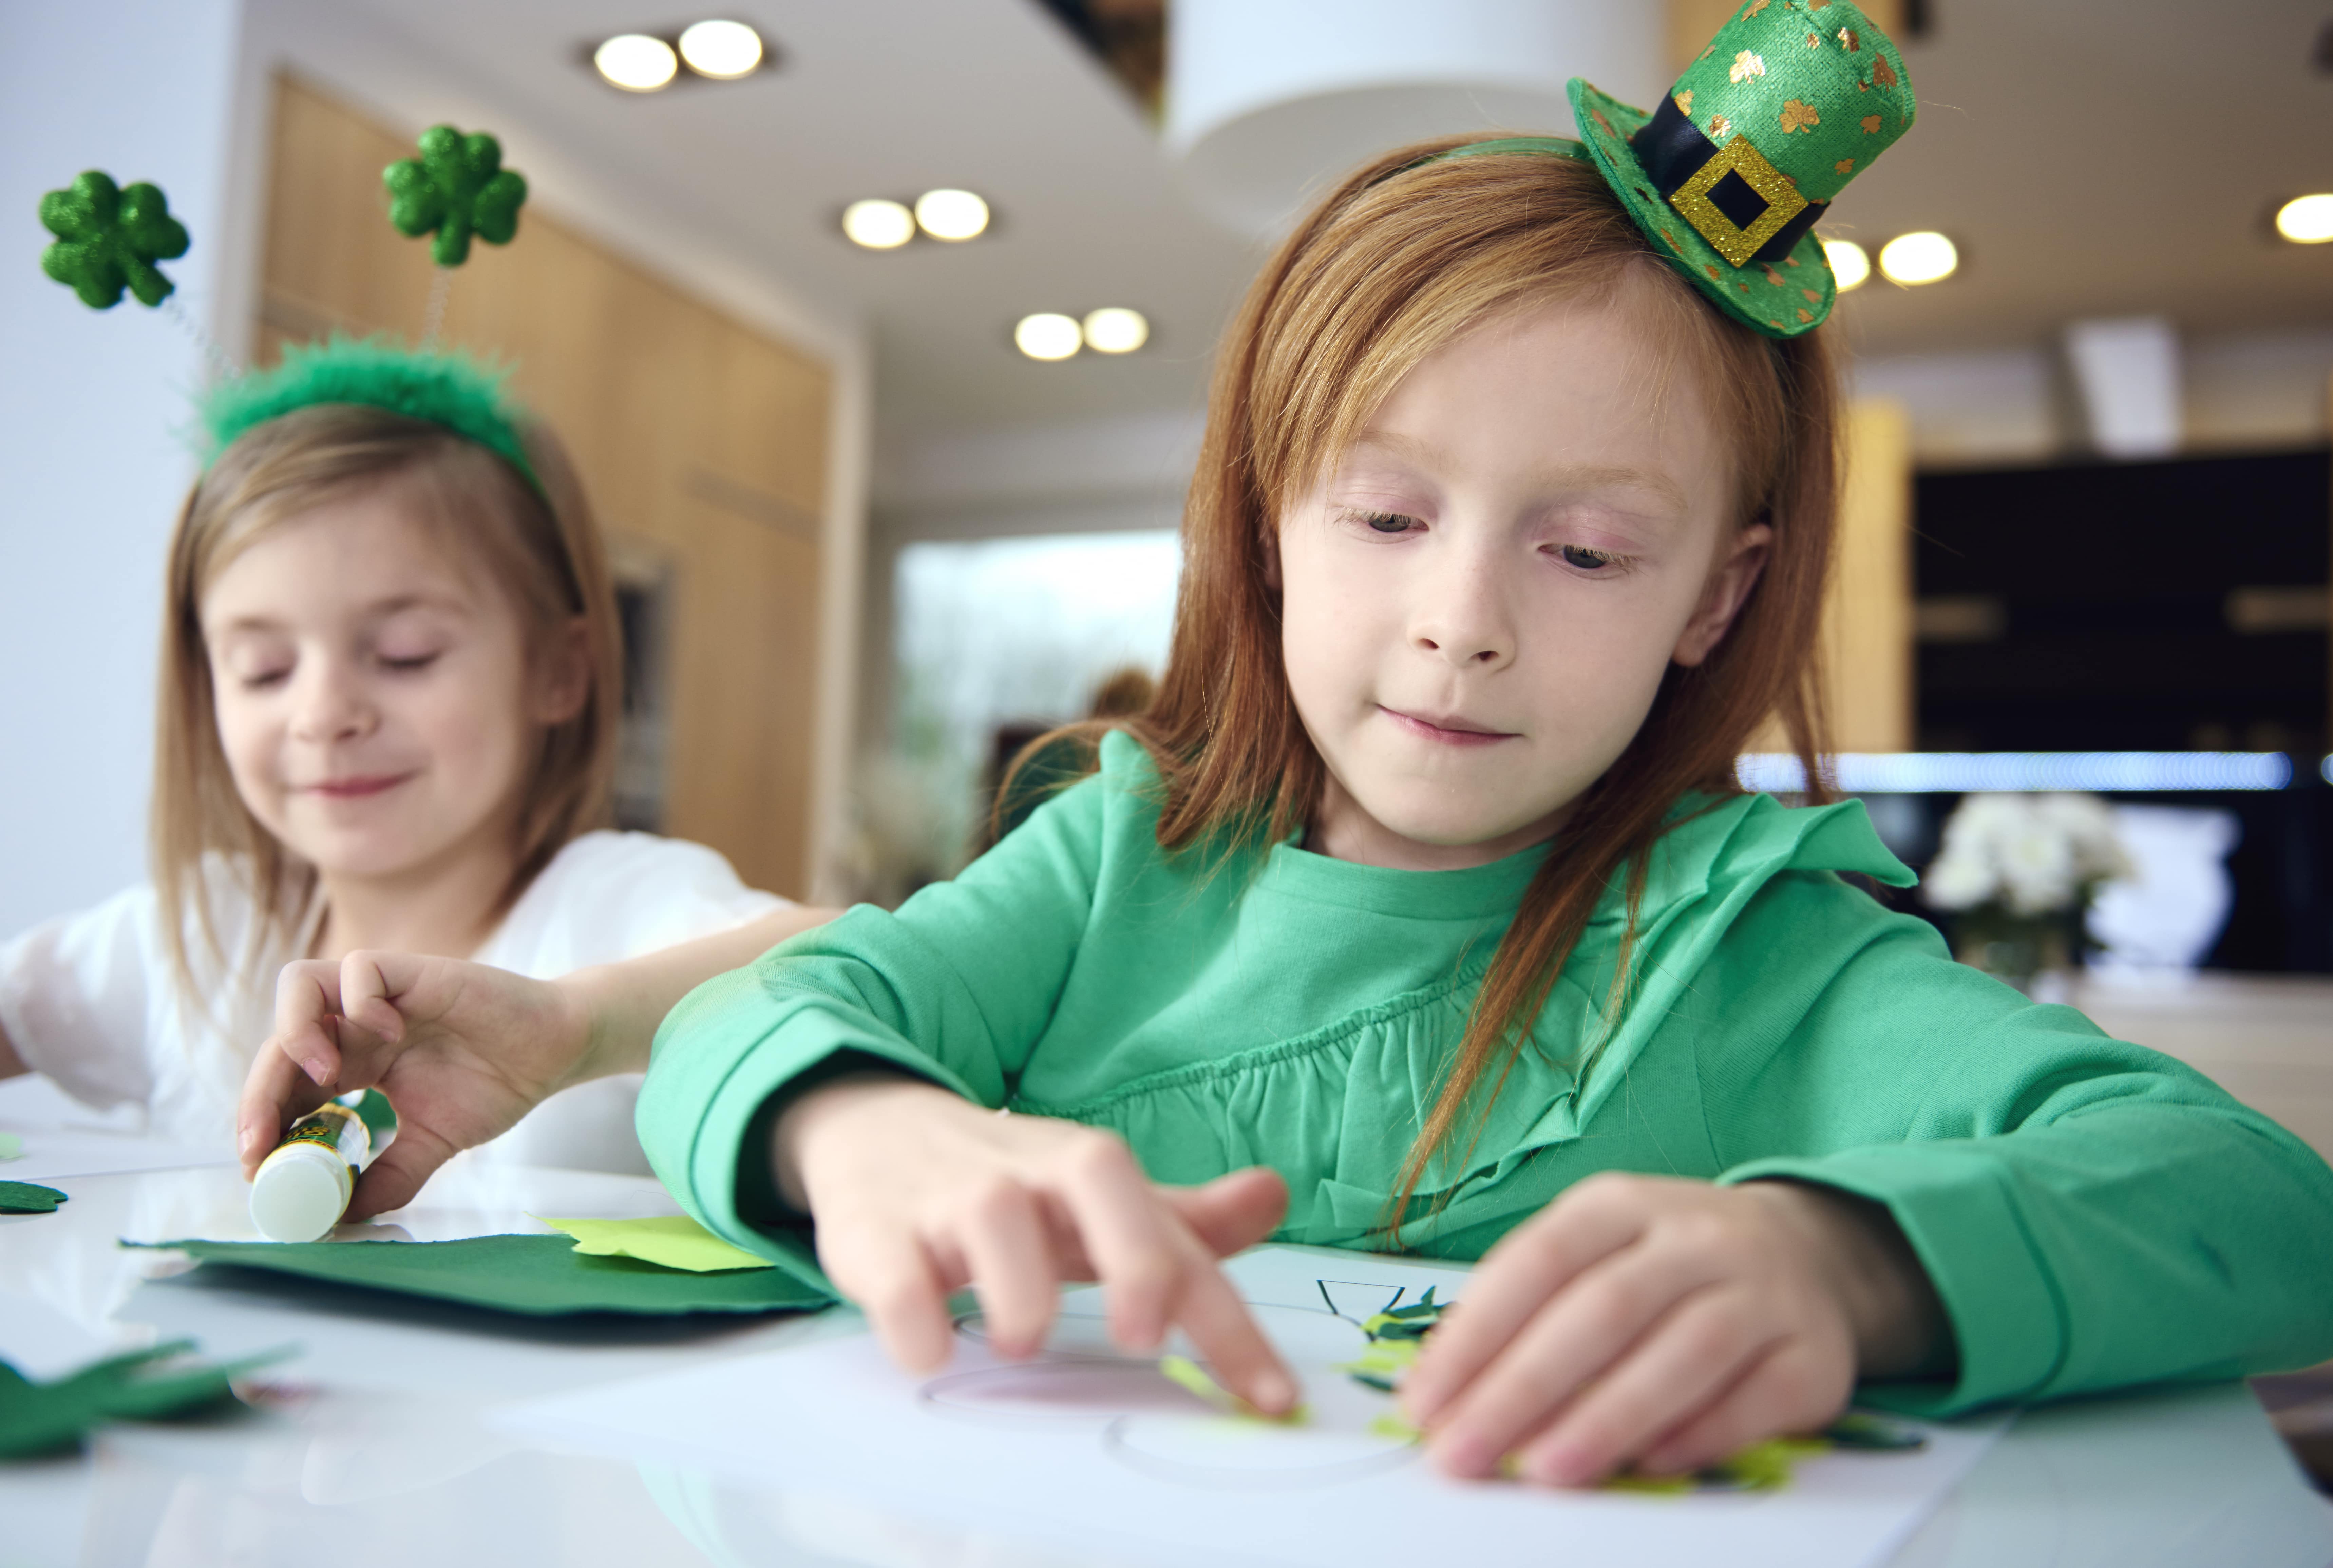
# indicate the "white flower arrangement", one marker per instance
pixel 2030 854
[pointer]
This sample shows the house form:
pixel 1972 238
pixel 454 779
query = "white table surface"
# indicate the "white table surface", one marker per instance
pixel 372 1449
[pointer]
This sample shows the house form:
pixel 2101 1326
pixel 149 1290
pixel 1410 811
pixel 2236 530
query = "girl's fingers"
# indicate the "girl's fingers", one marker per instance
pixel 1676 1372
pixel 1232 1213
pixel 1155 1273
pixel 1227 1340
pixel 391 1180
pixel 267 1095
pixel 307 1000
pixel 1780 1392
pixel 1011 1261
pixel 1572 1342
pixel 892 1281
pixel 367 997
pixel 1516 1282
pixel 1126 1238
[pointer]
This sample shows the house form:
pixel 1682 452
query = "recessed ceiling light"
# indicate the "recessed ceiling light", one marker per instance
pixel 635 61
pixel 951 214
pixel 724 51
pixel 2306 219
pixel 1115 330
pixel 878 223
pixel 1924 256
pixel 1047 335
pixel 1848 264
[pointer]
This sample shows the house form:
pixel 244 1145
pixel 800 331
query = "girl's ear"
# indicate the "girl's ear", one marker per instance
pixel 563 683
pixel 1729 588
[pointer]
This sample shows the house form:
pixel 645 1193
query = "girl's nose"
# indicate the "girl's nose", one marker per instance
pixel 330 703
pixel 1461 613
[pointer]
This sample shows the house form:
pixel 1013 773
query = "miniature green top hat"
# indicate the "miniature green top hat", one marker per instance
pixel 1790 100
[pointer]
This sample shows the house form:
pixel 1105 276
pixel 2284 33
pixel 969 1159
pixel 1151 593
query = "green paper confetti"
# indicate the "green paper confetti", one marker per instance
pixel 143 1386
pixel 28 1198
pixel 1395 1337
pixel 532 1275
pixel 456 189
pixel 108 238
pixel 11 1146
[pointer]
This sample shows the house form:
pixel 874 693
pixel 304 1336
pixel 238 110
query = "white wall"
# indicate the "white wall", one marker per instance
pixel 91 405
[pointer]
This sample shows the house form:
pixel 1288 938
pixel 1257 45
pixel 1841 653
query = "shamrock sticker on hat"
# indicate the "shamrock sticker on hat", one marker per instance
pixel 1728 177
pixel 108 238
pixel 458 187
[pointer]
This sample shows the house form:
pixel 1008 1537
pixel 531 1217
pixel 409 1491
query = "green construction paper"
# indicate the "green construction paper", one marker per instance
pixel 668 1241
pixel 143 1386
pixel 26 1197
pixel 11 1146
pixel 534 1276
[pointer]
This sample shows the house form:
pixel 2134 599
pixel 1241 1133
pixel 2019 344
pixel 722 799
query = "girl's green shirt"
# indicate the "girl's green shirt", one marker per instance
pixel 2092 1214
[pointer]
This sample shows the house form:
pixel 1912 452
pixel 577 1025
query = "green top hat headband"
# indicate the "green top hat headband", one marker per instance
pixel 1790 100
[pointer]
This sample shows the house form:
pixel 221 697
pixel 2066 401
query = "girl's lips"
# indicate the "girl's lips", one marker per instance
pixel 350 789
pixel 1444 731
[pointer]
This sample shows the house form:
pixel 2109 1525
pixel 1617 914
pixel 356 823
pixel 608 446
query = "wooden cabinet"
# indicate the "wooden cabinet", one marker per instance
pixel 703 443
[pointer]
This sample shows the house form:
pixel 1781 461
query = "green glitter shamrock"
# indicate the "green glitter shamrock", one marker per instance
pixel 458 188
pixel 109 239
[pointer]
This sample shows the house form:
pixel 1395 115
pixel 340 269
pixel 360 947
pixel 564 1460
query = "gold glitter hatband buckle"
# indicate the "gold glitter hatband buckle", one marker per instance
pixel 1745 207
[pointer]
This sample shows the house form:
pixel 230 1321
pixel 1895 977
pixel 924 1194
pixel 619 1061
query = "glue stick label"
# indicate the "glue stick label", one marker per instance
pixel 335 1128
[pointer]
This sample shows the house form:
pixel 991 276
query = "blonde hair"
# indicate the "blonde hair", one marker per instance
pixel 541 549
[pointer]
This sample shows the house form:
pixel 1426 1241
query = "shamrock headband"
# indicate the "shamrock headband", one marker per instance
pixel 447 389
pixel 1790 100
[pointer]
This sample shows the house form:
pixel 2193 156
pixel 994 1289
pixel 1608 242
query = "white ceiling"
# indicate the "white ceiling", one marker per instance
pixel 2092 157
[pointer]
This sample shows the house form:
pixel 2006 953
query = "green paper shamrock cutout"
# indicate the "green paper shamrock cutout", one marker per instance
pixel 458 187
pixel 109 239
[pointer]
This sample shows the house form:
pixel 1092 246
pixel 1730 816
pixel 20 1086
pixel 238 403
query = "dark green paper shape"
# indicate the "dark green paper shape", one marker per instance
pixel 456 189
pixel 41 1418
pixel 28 1198
pixel 108 238
pixel 534 1275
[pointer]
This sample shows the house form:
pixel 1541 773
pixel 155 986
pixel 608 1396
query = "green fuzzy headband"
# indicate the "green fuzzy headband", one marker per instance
pixel 452 389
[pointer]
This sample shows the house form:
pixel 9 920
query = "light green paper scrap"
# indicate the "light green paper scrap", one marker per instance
pixel 668 1241
pixel 1192 1378
pixel 11 1146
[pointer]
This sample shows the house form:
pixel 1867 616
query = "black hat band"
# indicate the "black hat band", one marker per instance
pixel 1736 200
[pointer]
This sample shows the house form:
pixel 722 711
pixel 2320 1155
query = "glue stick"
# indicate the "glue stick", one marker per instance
pixel 303 1187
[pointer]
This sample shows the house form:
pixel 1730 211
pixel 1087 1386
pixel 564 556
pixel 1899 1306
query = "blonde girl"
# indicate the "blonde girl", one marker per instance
pixel 1423 910
pixel 387 718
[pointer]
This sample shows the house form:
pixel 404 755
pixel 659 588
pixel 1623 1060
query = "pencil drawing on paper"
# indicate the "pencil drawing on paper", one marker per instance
pixel 1152 1425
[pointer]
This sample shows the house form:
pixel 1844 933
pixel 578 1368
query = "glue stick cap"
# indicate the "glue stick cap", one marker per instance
pixel 300 1192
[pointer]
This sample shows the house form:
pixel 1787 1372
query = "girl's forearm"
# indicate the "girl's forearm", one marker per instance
pixel 624 1003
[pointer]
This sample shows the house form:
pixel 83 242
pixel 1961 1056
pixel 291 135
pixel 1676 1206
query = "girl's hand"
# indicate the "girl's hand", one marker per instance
pixel 462 1050
pixel 917 1193
pixel 1666 1323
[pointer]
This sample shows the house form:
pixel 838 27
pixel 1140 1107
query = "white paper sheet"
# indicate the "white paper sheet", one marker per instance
pixel 1087 1448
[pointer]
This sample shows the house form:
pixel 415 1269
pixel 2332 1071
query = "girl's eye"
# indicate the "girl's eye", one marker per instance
pixel 262 679
pixel 1386 522
pixel 410 662
pixel 1585 559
